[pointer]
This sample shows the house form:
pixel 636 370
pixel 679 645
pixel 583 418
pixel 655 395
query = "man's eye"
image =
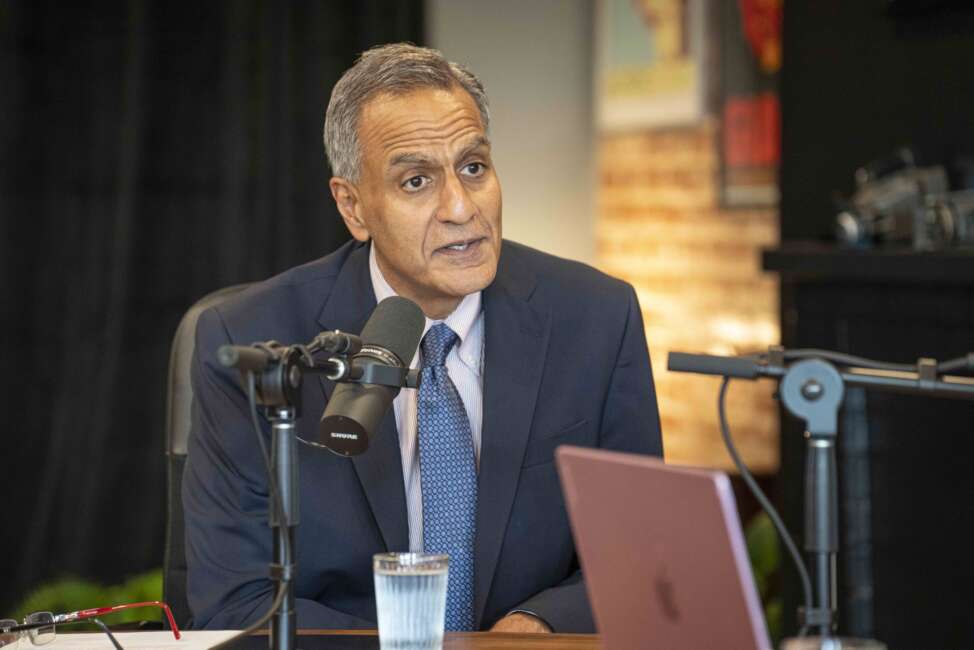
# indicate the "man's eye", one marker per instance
pixel 416 183
pixel 474 169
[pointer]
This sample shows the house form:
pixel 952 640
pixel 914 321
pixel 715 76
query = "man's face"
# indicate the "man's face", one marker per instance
pixel 427 196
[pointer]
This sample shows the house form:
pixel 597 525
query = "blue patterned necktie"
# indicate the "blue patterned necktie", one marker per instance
pixel 448 475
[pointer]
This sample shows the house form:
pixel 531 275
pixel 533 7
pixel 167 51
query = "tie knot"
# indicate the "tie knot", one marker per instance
pixel 437 343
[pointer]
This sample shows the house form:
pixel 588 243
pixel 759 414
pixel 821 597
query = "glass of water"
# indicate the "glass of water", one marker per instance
pixel 410 599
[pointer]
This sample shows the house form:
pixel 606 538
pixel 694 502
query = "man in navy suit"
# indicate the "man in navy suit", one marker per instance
pixel 540 352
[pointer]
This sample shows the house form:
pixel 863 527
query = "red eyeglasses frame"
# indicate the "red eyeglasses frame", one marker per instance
pixel 82 614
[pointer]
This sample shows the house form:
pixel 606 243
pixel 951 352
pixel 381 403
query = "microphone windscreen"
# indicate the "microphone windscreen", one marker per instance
pixel 396 325
pixel 706 364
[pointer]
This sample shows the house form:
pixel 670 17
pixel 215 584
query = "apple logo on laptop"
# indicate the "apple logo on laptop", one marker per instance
pixel 666 595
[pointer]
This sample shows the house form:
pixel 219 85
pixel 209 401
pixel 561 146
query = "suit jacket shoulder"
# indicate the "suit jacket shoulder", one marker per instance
pixel 289 306
pixel 559 269
pixel 579 298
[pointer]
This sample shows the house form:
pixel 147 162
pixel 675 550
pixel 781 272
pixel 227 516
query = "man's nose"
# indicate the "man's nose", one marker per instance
pixel 456 205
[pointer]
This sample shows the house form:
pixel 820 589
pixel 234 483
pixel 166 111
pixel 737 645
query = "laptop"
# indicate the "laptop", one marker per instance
pixel 662 551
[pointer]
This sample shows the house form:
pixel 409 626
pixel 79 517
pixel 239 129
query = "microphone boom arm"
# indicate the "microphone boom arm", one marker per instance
pixel 925 379
pixel 812 389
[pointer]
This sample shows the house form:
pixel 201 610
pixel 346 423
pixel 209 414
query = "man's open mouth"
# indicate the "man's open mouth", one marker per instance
pixel 461 245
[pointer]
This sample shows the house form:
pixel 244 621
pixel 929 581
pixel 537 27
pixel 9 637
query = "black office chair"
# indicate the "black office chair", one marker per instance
pixel 177 437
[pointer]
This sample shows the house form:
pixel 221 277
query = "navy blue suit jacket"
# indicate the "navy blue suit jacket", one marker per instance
pixel 566 363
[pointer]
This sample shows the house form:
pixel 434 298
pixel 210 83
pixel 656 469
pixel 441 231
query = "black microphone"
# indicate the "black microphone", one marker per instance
pixel 244 358
pixel 706 364
pixel 353 413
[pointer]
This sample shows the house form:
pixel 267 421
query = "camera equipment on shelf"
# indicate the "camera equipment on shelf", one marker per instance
pixel 896 201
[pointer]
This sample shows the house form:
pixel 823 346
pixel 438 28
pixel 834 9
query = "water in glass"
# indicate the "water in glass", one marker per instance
pixel 410 597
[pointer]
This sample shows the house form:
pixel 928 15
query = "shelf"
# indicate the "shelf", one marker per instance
pixel 819 261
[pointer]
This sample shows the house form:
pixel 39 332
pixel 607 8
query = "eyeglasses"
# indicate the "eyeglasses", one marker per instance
pixel 39 627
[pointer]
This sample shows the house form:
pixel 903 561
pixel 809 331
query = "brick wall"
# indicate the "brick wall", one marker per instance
pixel 696 269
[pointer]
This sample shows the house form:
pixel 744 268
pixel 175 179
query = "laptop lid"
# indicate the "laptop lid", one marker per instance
pixel 662 552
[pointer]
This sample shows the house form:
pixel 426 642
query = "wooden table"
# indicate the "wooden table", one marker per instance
pixel 369 640
pixel 311 639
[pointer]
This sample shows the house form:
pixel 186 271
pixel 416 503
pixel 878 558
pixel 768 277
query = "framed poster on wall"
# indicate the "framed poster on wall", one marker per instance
pixel 750 115
pixel 651 63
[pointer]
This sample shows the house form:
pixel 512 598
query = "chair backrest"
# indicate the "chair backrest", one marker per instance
pixel 178 422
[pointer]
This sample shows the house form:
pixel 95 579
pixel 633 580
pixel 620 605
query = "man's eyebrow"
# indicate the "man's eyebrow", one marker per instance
pixel 476 143
pixel 410 158
pixel 413 158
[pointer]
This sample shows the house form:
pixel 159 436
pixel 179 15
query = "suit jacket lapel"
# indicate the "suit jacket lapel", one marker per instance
pixel 515 347
pixel 380 468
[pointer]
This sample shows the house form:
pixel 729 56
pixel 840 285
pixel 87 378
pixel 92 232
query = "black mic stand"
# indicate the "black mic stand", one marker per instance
pixel 279 392
pixel 278 373
pixel 812 389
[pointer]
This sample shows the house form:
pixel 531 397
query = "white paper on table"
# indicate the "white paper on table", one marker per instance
pixel 193 640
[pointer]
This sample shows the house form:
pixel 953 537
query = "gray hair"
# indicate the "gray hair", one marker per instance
pixel 398 69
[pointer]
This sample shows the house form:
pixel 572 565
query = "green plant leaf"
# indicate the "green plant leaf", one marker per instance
pixel 762 549
pixel 765 554
pixel 70 594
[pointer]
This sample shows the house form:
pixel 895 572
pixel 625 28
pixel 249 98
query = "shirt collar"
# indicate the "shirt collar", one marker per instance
pixel 461 320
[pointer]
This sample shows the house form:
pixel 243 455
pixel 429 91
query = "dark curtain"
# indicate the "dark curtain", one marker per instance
pixel 150 152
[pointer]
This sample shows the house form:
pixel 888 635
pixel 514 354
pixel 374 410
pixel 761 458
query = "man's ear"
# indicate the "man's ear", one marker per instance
pixel 350 206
